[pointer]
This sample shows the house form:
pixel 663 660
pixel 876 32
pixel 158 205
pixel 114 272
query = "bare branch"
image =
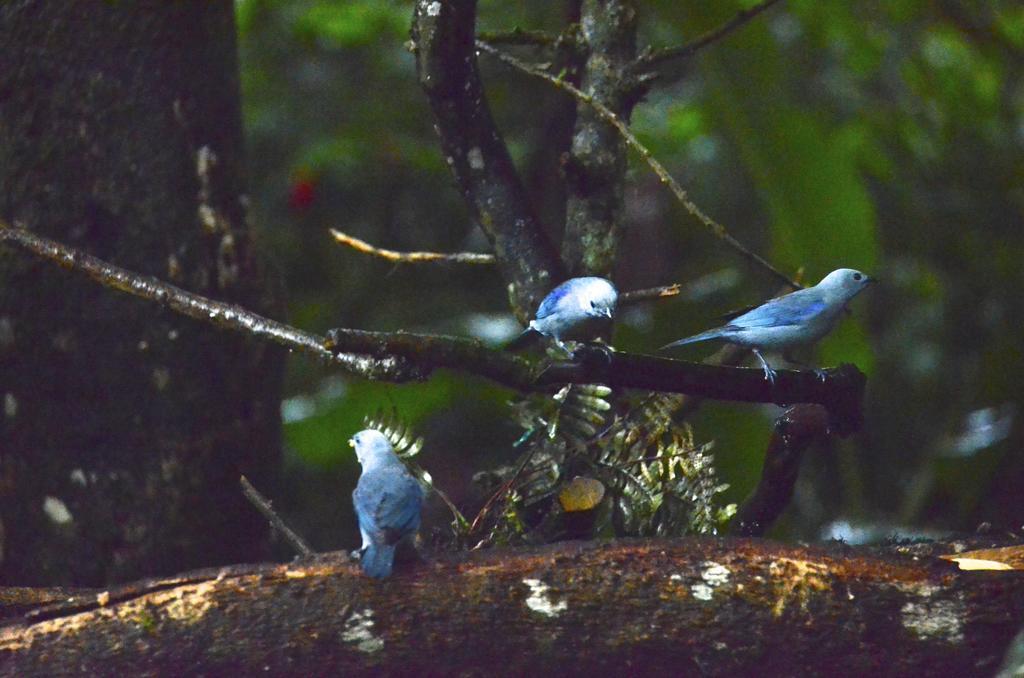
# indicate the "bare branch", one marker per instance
pixel 262 505
pixel 840 392
pixel 660 57
pixel 403 356
pixel 411 257
pixel 663 292
pixel 716 228
pixel 227 316
pixel 519 36
pixel 796 430
pixel 476 153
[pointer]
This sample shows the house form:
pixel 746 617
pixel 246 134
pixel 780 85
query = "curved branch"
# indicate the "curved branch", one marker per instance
pixel 658 58
pixel 476 153
pixel 718 230
pixel 796 430
pixel 227 316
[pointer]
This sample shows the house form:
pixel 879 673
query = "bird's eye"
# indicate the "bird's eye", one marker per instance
pixel 593 304
pixel 857 276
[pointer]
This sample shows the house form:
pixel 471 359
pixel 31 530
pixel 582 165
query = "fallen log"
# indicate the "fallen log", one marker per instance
pixel 726 606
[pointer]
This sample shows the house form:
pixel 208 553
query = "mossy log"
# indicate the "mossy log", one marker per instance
pixel 688 606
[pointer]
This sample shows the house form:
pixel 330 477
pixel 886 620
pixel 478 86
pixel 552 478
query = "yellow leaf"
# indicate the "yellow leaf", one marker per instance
pixel 582 494
pixel 1005 558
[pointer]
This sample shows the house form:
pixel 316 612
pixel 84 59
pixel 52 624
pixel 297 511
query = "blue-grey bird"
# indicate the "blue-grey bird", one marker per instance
pixel 797 319
pixel 579 309
pixel 387 499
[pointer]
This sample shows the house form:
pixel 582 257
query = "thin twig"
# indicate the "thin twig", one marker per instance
pixel 502 491
pixel 518 36
pixel 662 292
pixel 411 257
pixel 262 505
pixel 477 258
pixel 689 49
pixel 716 228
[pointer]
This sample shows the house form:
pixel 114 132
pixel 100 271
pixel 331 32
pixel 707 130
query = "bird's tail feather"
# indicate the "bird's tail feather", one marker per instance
pixel 703 336
pixel 377 560
pixel 524 341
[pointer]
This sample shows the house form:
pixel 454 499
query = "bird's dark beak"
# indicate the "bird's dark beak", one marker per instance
pixel 868 280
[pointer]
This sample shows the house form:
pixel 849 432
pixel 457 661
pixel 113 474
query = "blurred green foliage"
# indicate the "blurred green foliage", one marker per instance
pixel 883 135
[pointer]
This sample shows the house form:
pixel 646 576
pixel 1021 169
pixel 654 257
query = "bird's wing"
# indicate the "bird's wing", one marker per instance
pixel 550 303
pixel 389 501
pixel 793 309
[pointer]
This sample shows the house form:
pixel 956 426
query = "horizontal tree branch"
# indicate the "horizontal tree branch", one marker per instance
pixel 717 229
pixel 841 391
pixel 653 59
pixel 403 356
pixel 681 606
pixel 412 257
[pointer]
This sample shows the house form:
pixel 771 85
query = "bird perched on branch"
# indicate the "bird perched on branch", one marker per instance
pixel 797 319
pixel 387 500
pixel 579 308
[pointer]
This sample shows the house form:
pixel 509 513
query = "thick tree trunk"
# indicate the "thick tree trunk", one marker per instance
pixel 124 429
pixel 596 169
pixel 671 607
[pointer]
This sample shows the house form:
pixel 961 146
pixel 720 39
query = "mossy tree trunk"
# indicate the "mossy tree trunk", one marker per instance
pixel 124 428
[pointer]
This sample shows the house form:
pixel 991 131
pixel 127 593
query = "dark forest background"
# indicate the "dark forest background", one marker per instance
pixel 884 136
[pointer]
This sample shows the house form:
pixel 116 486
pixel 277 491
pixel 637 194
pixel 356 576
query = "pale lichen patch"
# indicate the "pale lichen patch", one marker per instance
pixel 931 617
pixel 714 574
pixel 434 9
pixel 10 405
pixel 539 601
pixel 476 158
pixel 359 630
pixel 56 510
pixel 702 592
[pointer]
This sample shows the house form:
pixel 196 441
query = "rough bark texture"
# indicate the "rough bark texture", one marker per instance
pixel 800 427
pixel 672 607
pixel 444 38
pixel 596 168
pixel 120 134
